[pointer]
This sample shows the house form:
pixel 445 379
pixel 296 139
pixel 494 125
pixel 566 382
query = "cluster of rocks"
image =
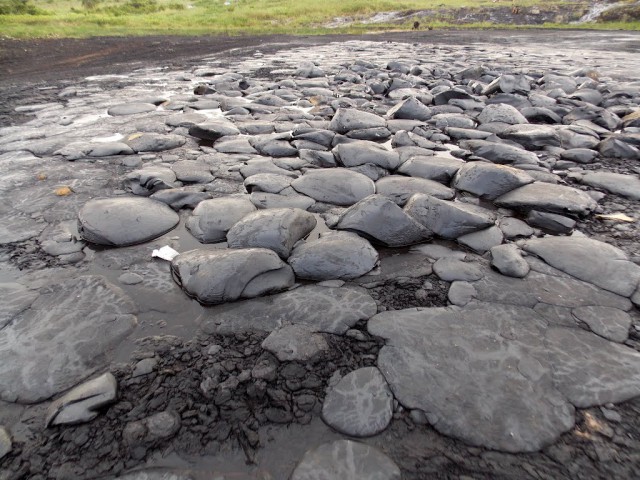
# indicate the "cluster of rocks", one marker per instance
pixel 368 178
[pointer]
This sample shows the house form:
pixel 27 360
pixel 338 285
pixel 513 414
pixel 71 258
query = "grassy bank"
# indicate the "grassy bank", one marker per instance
pixel 84 18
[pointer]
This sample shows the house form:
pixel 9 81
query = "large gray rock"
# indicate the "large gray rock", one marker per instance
pixel 501 112
pixel 380 219
pixel 437 167
pixel 14 298
pixel 411 108
pixel 548 198
pixel 448 219
pixel 277 229
pixel 400 188
pixel 63 338
pixel 610 323
pixel 361 152
pixel 590 370
pixel 334 255
pixel 212 219
pixel 482 240
pixel 590 260
pixel 532 137
pixel 131 109
pixel 508 260
pixel 489 181
pixel 360 404
pixel 123 221
pixel 500 153
pixel 213 130
pixel 451 269
pixel 338 186
pixel 347 119
pixel 81 404
pixel 345 460
pixel 479 374
pixel 267 182
pixel 218 276
pixel 618 183
pixel 154 142
pixel 326 309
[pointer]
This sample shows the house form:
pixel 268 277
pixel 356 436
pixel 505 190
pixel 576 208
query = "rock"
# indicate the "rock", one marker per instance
pixel 451 269
pixel 267 182
pixel 144 367
pixel 154 142
pixel 483 240
pixel 159 426
pixel 335 255
pixel 337 186
pixel 551 222
pixel 380 219
pixel 6 445
pixel 218 276
pixel 399 188
pixel 155 475
pixel 150 180
pixel 614 147
pixel 349 119
pixel 548 197
pixel 620 184
pixel 296 343
pixel 14 299
pixel 438 168
pixel 131 109
pixel 129 278
pixel 271 200
pixel 192 171
pixel 532 137
pixel 277 229
pixel 122 221
pixel 213 130
pixel 610 323
pixel 80 404
pixel 590 370
pixel 325 309
pixel 513 228
pixel 461 293
pixel 410 108
pixel 500 153
pixel 179 198
pixel 361 152
pixel 489 181
pixel 508 260
pixel 360 404
pixel 489 383
pixel 345 460
pixel 212 219
pixel 185 120
pixel 501 112
pixel 63 338
pixel 590 260
pixel 413 264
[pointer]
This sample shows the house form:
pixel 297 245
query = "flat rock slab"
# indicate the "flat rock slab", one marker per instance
pixel 118 222
pixel 590 260
pixel 475 373
pixel 14 298
pixel 548 198
pixel 625 185
pixel 218 276
pixel 346 460
pixel 63 338
pixel 610 323
pixel 360 404
pixel 326 309
pixel 486 180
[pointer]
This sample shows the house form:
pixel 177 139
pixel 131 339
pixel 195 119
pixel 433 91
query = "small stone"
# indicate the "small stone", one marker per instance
pixel 5 442
pixel 144 367
pixel 508 260
pixel 129 278
pixel 295 343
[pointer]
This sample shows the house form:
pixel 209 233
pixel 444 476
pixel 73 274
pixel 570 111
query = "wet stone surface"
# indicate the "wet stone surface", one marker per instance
pixel 225 269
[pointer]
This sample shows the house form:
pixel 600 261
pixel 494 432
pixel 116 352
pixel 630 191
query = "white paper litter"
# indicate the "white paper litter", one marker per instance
pixel 165 253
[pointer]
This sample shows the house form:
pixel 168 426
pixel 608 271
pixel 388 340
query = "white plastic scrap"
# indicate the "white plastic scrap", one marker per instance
pixel 165 253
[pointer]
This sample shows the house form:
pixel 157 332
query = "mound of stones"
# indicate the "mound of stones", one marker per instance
pixel 294 192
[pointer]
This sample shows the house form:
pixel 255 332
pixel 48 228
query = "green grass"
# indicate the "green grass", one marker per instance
pixel 84 18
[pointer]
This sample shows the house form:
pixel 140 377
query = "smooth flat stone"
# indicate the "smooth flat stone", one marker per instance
pixel 549 198
pixel 400 188
pixel 14 298
pixel 486 180
pixel 360 404
pixel 609 323
pixel 338 186
pixel 297 342
pixel 212 219
pixel 121 221
pixel 325 309
pixel 63 338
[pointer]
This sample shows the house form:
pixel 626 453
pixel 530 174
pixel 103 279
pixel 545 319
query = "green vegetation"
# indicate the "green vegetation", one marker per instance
pixel 83 18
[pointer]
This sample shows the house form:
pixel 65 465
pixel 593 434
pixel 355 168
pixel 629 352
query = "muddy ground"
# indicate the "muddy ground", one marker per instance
pixel 250 437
